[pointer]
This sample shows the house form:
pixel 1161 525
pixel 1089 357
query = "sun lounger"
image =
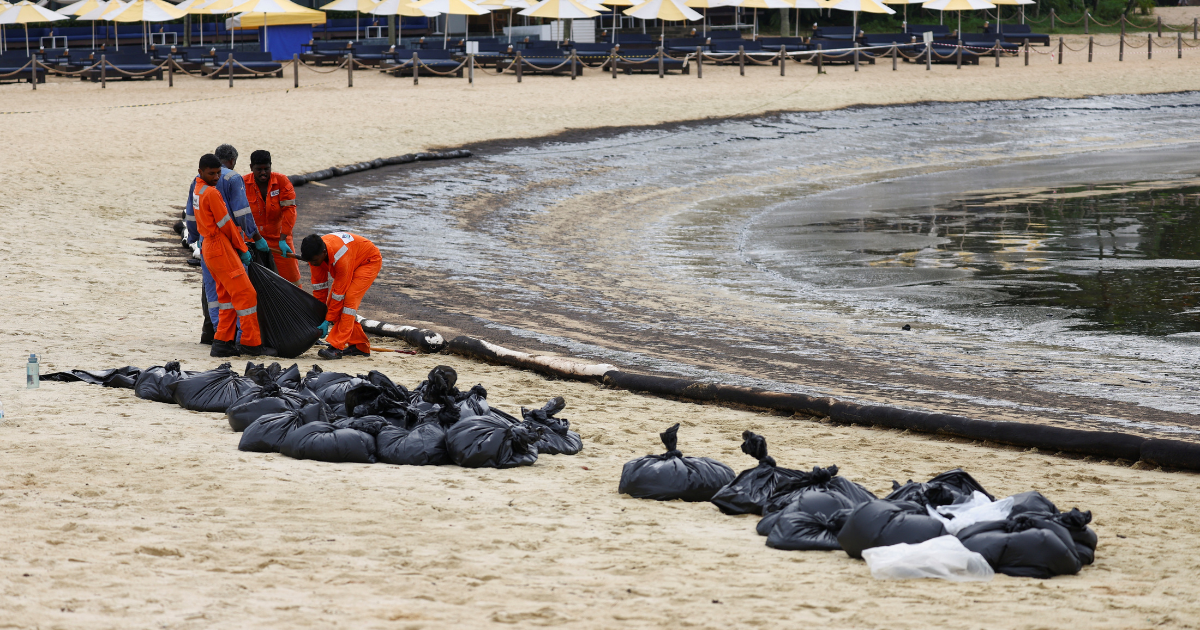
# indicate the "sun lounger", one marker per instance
pixel 947 52
pixel 371 54
pixel 250 64
pixel 12 60
pixel 1018 33
pixel 546 61
pixel 977 41
pixel 641 60
pixel 119 62
pixel 685 45
pixel 843 51
pixel 938 30
pixel 324 52
pixel 491 53
pixel 636 40
pixel 772 44
pixel 834 32
pixel 729 33
pixel 593 55
pixel 435 59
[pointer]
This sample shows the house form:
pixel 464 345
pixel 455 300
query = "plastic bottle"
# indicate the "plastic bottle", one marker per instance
pixel 1 412
pixel 32 373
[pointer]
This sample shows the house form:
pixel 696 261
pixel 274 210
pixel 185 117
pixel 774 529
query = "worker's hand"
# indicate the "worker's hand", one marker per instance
pixel 283 247
pixel 261 245
pixel 325 326
pixel 245 257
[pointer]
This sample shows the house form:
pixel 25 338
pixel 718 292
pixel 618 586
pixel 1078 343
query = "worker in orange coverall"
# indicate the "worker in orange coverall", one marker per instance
pixel 223 247
pixel 343 266
pixel 273 202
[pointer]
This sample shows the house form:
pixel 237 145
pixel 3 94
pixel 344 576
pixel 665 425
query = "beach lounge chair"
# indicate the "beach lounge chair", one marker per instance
pixel 729 33
pixel 642 60
pixel 12 60
pixel 843 54
pixel 547 61
pixel 435 59
pixel 980 42
pixel 52 56
pixel 684 45
pixel 124 62
pixel 938 30
pixel 772 44
pixel 593 55
pixel 833 32
pixel 1017 34
pixel 321 53
pixel 636 40
pixel 371 54
pixel 492 53
pixel 252 61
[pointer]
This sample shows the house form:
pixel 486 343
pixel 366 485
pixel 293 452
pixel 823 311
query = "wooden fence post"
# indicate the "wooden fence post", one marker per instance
pixel 612 63
pixel 782 59
pixel 742 60
pixel 699 63
pixel 170 72
pixel 1086 19
pixel 295 70
pixel 894 49
pixel 1060 48
pixel 416 64
pixel 1027 51
pixel 1051 20
pixel 820 60
pixel 996 49
pixel 1121 48
pixel 103 71
pixel 1179 45
pixel 471 68
pixel 350 70
pixel 1090 41
pixel 1149 46
pixel 33 64
pixel 958 54
pixel 1160 26
pixel 520 62
pixel 928 57
pixel 229 60
pixel 661 61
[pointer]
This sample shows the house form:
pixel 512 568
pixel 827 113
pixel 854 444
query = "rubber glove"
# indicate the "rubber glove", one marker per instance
pixel 283 247
pixel 325 326
pixel 261 245
pixel 245 257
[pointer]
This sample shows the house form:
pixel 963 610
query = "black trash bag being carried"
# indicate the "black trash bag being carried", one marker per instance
pixel 672 476
pixel 948 488
pixel 266 400
pixel 826 480
pixel 263 374
pixel 798 530
pixel 492 442
pixel 423 445
pixel 267 434
pixel 124 378
pixel 1024 546
pixel 154 383
pixel 557 438
pixel 325 442
pixel 214 390
pixel 287 315
pixel 747 493
pixel 881 523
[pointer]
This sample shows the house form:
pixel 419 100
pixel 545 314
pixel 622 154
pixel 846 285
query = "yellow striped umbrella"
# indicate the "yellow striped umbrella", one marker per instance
pixel 959 6
pixel 358 6
pixel 25 12
pixel 433 8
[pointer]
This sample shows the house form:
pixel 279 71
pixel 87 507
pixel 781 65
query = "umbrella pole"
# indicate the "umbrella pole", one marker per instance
pixel 959 33
pixel 117 35
pixel 355 26
pixel 267 36
pixel 27 52
pixel 854 29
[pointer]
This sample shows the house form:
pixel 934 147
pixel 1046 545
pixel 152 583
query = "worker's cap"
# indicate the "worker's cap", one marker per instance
pixel 260 157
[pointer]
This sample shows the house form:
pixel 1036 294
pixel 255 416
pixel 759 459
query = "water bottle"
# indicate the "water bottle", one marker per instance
pixel 1 412
pixel 32 373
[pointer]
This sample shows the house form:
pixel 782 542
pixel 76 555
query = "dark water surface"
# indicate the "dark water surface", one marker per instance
pixel 1044 254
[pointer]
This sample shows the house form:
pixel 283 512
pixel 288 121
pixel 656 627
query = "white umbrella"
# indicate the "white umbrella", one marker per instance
pixel 25 12
pixel 449 7
pixel 102 13
pixel 565 10
pixel 868 6
pixel 756 5
pixel 358 6
pixel 959 6
pixel 145 11
pixel 663 10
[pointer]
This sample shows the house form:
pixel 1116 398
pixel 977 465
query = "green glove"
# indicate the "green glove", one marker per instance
pixel 325 326
pixel 245 257
pixel 261 245
pixel 283 247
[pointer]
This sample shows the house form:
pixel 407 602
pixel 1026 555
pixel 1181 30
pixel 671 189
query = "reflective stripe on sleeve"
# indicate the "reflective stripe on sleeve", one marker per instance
pixel 224 305
pixel 223 221
pixel 341 252
pixel 241 213
pixel 250 311
pixel 289 202
pixel 324 285
pixel 216 305
pixel 189 217
pixel 337 298
pixel 349 311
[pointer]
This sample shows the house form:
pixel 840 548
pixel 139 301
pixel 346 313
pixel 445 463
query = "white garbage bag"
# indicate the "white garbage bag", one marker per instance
pixel 959 516
pixel 944 558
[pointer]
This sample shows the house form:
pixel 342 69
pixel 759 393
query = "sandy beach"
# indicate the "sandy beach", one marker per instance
pixel 120 512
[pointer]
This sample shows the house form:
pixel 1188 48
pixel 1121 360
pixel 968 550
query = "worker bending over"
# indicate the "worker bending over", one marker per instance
pixel 343 266
pixel 273 202
pixel 232 189
pixel 223 250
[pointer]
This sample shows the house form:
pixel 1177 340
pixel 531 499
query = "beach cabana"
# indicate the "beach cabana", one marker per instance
pixel 25 13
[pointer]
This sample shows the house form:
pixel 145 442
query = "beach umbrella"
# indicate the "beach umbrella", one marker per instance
pixel 866 6
pixel 616 18
pixel 664 10
pixel 906 3
pixel 358 6
pixel 513 5
pixel 195 7
pixel 397 8
pixel 705 5
pixel 98 14
pixel 998 3
pixel 25 12
pixel 264 7
pixel 492 11
pixel 449 7
pixel 3 5
pixel 959 6
pixel 145 11
pixel 565 10
pixel 78 9
pixel 759 4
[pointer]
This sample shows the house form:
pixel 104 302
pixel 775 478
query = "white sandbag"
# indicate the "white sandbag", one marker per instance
pixel 959 516
pixel 944 558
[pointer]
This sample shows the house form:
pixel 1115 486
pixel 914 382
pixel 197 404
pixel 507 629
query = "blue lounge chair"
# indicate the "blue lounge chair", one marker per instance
pixel 252 61
pixel 1017 33
pixel 124 62
pixel 13 60
pixel 435 59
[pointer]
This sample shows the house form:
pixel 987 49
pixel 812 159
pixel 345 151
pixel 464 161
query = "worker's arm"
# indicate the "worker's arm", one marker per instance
pixel 342 275
pixel 211 202
pixel 287 208
pixel 234 189
pixel 189 215
pixel 320 281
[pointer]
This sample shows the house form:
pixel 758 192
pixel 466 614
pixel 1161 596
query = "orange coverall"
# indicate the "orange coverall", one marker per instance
pixel 275 219
pixel 221 240
pixel 350 268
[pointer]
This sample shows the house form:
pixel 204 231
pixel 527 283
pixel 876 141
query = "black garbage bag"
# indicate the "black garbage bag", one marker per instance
pixel 379 396
pixel 948 488
pixel 267 434
pixel 811 501
pixel 747 493
pixel 820 480
pixel 214 390
pixel 262 374
pixel 268 399
pixel 331 387
pixel 423 445
pixel 124 378
pixel 881 523
pixel 799 530
pixel 1024 546
pixel 1085 539
pixel 672 476
pixel 557 438
pixel 287 315
pixel 492 442
pixel 325 442
pixel 1032 502
pixel 154 383
pixel 473 402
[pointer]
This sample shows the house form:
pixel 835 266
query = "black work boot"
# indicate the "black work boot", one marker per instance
pixel 353 351
pixel 223 349
pixel 206 338
pixel 329 353
pixel 258 351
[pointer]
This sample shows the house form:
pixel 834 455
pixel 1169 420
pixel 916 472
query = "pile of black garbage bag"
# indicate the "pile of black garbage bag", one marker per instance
pixel 336 417
pixel 820 510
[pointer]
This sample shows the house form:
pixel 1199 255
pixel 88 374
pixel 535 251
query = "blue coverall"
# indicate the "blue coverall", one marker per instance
pixel 233 190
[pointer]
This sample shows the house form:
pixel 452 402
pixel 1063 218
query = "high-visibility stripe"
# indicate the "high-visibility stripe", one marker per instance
pixel 189 217
pixel 249 311
pixel 349 311
pixel 337 298
pixel 241 213
pixel 289 202
pixel 341 252
pixel 324 285
pixel 203 187
pixel 223 221
pixel 224 305
pixel 231 175
pixel 216 304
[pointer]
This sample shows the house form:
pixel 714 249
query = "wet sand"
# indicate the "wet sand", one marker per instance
pixel 124 513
